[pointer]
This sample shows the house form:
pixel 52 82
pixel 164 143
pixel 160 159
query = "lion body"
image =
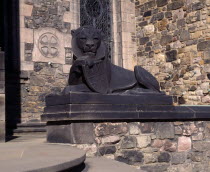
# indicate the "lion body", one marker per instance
pixel 92 70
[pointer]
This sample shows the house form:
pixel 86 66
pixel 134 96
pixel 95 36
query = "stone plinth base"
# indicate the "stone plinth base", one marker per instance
pixel 137 130
pixel 70 118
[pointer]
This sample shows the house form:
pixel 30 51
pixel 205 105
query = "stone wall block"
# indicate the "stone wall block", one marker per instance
pixel 147 127
pixel 175 5
pixel 131 157
pixel 178 158
pixel 184 144
pixel 161 3
pixel 128 142
pixel 164 157
pixel 171 56
pixel 109 149
pixel 201 146
pixel 111 129
pixel 166 39
pixel 143 141
pixel 134 129
pixel 155 167
pixel 150 158
pixel 164 130
pixel 110 139
pixel 203 46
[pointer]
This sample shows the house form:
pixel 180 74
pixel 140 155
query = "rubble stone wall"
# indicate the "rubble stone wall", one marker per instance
pixel 154 146
pixel 173 43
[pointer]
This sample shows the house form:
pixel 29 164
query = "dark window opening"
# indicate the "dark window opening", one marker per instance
pixel 97 13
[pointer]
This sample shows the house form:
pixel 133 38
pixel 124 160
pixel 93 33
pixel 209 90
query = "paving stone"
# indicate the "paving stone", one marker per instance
pixel 38 156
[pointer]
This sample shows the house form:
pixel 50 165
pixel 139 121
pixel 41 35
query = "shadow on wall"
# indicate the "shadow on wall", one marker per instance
pixel 9 41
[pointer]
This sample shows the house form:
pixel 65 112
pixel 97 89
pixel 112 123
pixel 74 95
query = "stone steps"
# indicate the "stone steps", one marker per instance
pixel 35 155
pixel 29 153
pixel 30 128
pixel 99 164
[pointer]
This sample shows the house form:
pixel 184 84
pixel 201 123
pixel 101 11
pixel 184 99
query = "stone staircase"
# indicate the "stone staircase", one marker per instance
pixel 30 128
pixel 29 153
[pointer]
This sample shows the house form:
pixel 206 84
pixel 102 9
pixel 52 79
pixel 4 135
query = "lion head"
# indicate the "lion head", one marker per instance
pixel 88 40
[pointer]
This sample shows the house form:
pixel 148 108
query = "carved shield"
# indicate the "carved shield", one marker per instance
pixel 97 77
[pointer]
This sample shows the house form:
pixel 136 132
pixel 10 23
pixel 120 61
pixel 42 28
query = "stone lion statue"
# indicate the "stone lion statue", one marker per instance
pixel 92 70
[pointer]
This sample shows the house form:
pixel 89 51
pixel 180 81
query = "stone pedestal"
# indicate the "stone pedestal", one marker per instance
pixel 71 118
pixel 2 98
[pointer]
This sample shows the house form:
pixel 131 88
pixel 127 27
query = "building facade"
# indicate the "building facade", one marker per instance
pixel 169 38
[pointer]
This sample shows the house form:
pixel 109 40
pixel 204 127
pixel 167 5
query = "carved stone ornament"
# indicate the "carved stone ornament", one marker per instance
pixel 48 45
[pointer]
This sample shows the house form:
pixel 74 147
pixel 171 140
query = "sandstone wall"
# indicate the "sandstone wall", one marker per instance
pixel 172 40
pixel 173 43
pixel 45 41
pixel 154 146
